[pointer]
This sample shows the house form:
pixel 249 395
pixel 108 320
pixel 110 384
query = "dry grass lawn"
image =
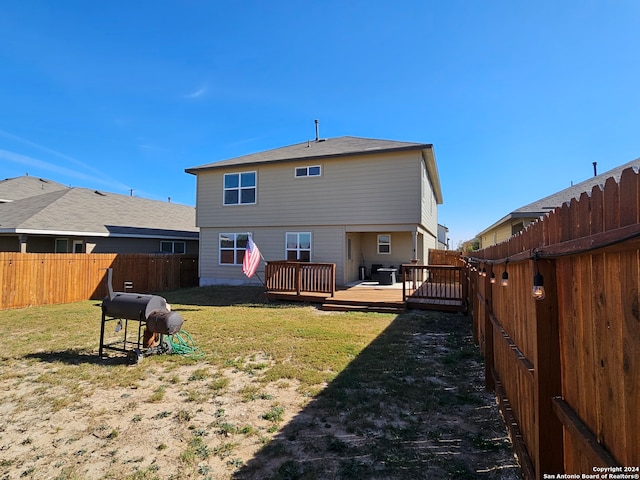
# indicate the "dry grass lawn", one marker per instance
pixel 278 391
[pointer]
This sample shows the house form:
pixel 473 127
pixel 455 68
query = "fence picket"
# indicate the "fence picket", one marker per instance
pixel 30 279
pixel 593 245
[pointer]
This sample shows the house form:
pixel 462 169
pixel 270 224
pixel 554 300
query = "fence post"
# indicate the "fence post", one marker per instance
pixel 464 278
pixel 298 278
pixel 549 457
pixel 489 363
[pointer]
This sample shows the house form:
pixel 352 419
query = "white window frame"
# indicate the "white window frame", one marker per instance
pixel 305 172
pixel 298 249
pixel 238 248
pixel 173 246
pixel 382 243
pixel 77 243
pixel 239 189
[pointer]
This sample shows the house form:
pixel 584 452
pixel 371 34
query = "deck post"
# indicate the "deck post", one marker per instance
pixel 298 278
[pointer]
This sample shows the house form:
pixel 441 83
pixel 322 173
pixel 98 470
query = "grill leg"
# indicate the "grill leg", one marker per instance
pixel 102 335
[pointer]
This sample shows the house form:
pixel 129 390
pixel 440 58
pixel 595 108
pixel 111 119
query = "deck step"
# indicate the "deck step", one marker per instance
pixel 360 307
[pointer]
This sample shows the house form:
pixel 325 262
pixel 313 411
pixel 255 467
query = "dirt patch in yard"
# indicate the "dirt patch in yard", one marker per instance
pixel 412 404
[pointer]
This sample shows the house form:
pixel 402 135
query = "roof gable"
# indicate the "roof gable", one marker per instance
pixel 17 188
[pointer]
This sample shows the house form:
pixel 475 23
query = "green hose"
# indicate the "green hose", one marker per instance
pixel 182 344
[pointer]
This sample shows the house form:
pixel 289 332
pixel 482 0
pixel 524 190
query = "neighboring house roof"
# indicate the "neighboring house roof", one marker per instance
pixel 80 211
pixel 22 187
pixel 547 204
pixel 330 148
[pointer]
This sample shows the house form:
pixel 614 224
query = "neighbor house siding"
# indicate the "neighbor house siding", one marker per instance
pixel 9 244
pixel 136 245
pixel 380 189
pixel 497 235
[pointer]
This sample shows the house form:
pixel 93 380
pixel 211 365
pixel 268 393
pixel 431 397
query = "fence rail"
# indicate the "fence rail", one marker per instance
pixel 300 277
pixel 30 279
pixel 567 367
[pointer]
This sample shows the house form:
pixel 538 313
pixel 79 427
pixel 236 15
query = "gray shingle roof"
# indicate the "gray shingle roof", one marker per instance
pixel 557 199
pixel 97 213
pixel 324 148
pixel 22 187
pixel 548 203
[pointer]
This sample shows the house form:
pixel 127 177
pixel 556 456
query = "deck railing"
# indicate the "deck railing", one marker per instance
pixel 300 277
pixel 433 282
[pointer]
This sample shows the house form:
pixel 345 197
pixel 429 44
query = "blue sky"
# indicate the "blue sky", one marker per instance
pixel 518 98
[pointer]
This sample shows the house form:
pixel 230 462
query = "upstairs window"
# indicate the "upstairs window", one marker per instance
pixel 314 171
pixel 240 188
pixel 299 246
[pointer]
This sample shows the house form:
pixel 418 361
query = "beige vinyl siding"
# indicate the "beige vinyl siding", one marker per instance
pixel 401 246
pixel 429 203
pixel 378 189
pixel 326 242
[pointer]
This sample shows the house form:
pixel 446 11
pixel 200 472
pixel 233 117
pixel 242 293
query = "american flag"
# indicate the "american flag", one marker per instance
pixel 251 258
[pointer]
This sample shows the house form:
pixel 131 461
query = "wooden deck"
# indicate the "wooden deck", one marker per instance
pixel 371 298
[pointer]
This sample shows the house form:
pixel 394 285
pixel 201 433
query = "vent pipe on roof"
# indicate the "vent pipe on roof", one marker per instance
pixel 317 131
pixel 595 169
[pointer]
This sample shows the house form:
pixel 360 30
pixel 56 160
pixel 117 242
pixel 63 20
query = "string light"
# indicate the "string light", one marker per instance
pixel 538 282
pixel 505 275
pixel 492 277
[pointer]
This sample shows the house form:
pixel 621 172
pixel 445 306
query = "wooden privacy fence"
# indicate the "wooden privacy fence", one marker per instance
pixel 566 368
pixel 29 279
pixel 445 257
pixel 300 277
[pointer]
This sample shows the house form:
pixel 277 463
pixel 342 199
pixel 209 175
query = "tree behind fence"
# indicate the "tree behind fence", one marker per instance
pixel 568 367
pixel 29 279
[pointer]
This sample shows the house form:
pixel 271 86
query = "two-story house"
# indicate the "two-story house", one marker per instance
pixel 355 202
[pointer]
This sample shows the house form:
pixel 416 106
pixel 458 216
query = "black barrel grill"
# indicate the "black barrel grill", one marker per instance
pixel 149 311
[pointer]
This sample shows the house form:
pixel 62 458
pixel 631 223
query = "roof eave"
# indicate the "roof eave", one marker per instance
pixel 432 169
pixel 423 147
pixel 180 235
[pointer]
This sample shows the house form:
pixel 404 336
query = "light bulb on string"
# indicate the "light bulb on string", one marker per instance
pixel 537 291
pixel 505 276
